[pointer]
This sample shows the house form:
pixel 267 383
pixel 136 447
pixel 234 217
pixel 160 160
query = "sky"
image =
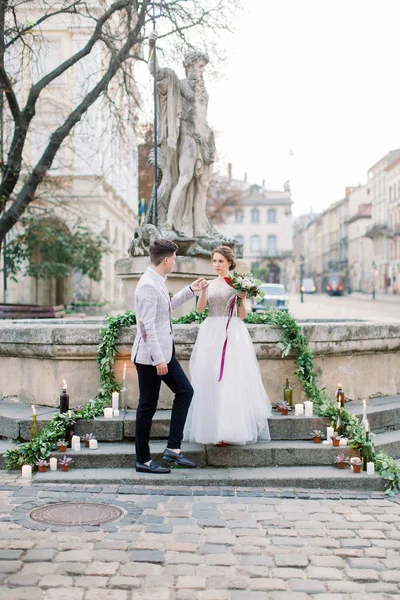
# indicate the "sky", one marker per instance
pixel 309 92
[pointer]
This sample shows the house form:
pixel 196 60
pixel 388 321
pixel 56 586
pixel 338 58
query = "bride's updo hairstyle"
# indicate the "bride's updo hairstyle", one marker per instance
pixel 229 255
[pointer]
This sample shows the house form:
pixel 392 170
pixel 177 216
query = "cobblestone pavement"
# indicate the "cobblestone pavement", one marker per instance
pixel 356 306
pixel 201 544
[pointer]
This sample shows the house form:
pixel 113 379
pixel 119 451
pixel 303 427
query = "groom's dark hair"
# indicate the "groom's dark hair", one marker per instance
pixel 159 249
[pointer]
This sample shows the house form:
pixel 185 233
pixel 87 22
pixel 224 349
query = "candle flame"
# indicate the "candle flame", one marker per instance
pixel 33 409
pixel 64 384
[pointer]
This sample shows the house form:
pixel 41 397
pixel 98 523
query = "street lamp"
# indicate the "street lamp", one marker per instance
pixel 301 278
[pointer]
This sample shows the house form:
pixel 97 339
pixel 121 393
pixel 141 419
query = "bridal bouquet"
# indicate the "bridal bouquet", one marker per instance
pixel 245 283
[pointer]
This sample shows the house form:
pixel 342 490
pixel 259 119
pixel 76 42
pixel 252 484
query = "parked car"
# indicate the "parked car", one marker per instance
pixel 275 296
pixel 308 286
pixel 334 284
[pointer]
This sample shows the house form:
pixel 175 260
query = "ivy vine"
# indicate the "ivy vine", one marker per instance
pixel 291 341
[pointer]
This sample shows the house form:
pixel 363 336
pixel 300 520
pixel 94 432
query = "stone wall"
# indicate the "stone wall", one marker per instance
pixel 36 356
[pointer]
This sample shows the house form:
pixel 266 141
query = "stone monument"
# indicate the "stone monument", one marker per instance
pixel 185 157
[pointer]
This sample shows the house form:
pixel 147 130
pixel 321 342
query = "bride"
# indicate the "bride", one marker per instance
pixel 233 408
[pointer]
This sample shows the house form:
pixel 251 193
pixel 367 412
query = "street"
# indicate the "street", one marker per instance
pixel 385 309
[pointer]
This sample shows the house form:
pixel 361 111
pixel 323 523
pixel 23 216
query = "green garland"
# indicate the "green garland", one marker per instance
pixel 291 341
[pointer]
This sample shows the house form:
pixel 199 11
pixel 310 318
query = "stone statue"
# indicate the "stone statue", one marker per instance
pixel 185 155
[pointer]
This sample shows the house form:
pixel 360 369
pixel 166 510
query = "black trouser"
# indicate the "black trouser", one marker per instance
pixel 149 389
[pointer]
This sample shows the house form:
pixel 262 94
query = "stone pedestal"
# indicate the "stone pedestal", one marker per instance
pixel 187 269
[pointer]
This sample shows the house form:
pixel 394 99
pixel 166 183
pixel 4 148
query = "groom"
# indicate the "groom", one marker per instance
pixel 153 353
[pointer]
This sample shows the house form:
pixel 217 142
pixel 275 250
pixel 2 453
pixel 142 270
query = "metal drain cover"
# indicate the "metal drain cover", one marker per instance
pixel 75 513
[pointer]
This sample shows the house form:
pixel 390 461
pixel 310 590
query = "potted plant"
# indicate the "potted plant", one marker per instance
pixel 42 465
pixel 316 436
pixel 62 445
pixel 64 462
pixel 356 464
pixel 86 438
pixel 341 461
pixel 335 440
pixel 283 407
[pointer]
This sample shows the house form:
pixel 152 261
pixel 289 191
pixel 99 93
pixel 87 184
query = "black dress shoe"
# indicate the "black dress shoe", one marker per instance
pixel 178 460
pixel 153 467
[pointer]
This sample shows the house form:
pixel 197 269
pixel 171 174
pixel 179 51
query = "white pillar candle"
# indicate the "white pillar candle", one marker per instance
pixel 370 468
pixel 76 439
pixel 116 413
pixel 108 413
pixel 298 410
pixel 343 442
pixel 308 408
pixel 76 447
pixel 329 432
pixel 53 464
pixel 26 471
pixel 93 444
pixel 115 401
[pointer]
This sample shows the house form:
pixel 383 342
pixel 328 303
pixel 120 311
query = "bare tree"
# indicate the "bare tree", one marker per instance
pixel 116 29
pixel 224 196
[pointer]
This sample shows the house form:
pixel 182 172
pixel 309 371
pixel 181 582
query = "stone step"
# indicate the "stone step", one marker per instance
pixel 16 419
pixel 277 453
pixel 266 477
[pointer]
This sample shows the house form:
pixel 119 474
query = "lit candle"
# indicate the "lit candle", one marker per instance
pixel 370 468
pixel 93 444
pixel 116 413
pixel 33 410
pixel 53 464
pixel 308 408
pixel 26 472
pixel 329 433
pixel 298 410
pixel 124 375
pixel 115 401
pixel 108 413
pixel 76 447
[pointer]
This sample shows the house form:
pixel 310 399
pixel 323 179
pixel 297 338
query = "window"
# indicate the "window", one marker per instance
pixel 271 245
pixel 255 215
pixel 46 55
pixel 239 215
pixel 272 215
pixel 255 243
pixel 239 239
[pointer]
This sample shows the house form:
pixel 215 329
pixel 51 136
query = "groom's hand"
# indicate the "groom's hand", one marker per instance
pixel 162 369
pixel 199 284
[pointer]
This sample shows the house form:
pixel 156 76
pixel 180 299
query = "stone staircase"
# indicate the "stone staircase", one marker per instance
pixel 291 459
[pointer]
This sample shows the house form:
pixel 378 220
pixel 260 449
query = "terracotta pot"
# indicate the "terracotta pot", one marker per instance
pixel 42 468
pixel 335 443
pixel 62 448
pixel 356 468
pixel 285 411
pixel 341 465
pixel 279 410
pixel 87 443
pixel 317 440
pixel 64 467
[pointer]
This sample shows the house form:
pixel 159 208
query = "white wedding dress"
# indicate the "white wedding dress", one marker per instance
pixel 235 409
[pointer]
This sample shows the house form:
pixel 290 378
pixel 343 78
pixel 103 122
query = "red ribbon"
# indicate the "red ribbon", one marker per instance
pixel 231 307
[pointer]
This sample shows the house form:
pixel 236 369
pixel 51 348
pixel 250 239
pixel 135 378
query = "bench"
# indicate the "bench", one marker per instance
pixel 31 311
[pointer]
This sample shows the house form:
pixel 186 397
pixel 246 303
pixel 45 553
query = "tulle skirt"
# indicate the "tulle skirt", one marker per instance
pixel 234 410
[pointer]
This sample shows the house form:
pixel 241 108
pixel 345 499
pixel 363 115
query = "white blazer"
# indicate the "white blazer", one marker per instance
pixel 153 307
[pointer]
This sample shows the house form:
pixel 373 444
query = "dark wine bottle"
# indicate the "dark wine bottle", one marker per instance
pixel 367 451
pixel 69 432
pixel 288 393
pixel 340 395
pixel 339 426
pixel 64 400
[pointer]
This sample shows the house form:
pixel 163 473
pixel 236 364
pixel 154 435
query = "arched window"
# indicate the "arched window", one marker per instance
pixel 272 215
pixel 271 245
pixel 239 215
pixel 255 243
pixel 255 215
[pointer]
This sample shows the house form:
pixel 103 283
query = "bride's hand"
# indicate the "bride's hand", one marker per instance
pixel 242 295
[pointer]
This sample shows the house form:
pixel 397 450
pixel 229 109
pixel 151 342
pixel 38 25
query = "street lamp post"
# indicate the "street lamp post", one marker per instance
pixel 301 278
pixel 373 280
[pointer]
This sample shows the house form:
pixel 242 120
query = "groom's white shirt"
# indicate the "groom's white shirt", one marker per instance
pixel 153 307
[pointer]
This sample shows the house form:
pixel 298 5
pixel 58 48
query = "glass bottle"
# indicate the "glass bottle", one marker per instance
pixel 34 427
pixel 339 427
pixel 340 395
pixel 64 400
pixel 288 393
pixel 367 451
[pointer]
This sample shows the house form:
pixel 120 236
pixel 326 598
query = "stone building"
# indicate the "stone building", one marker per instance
pixel 94 175
pixel 360 247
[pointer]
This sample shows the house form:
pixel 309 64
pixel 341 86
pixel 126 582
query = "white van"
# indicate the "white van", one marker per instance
pixel 308 286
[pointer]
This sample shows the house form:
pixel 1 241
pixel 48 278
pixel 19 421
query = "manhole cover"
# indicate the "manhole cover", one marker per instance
pixel 75 513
